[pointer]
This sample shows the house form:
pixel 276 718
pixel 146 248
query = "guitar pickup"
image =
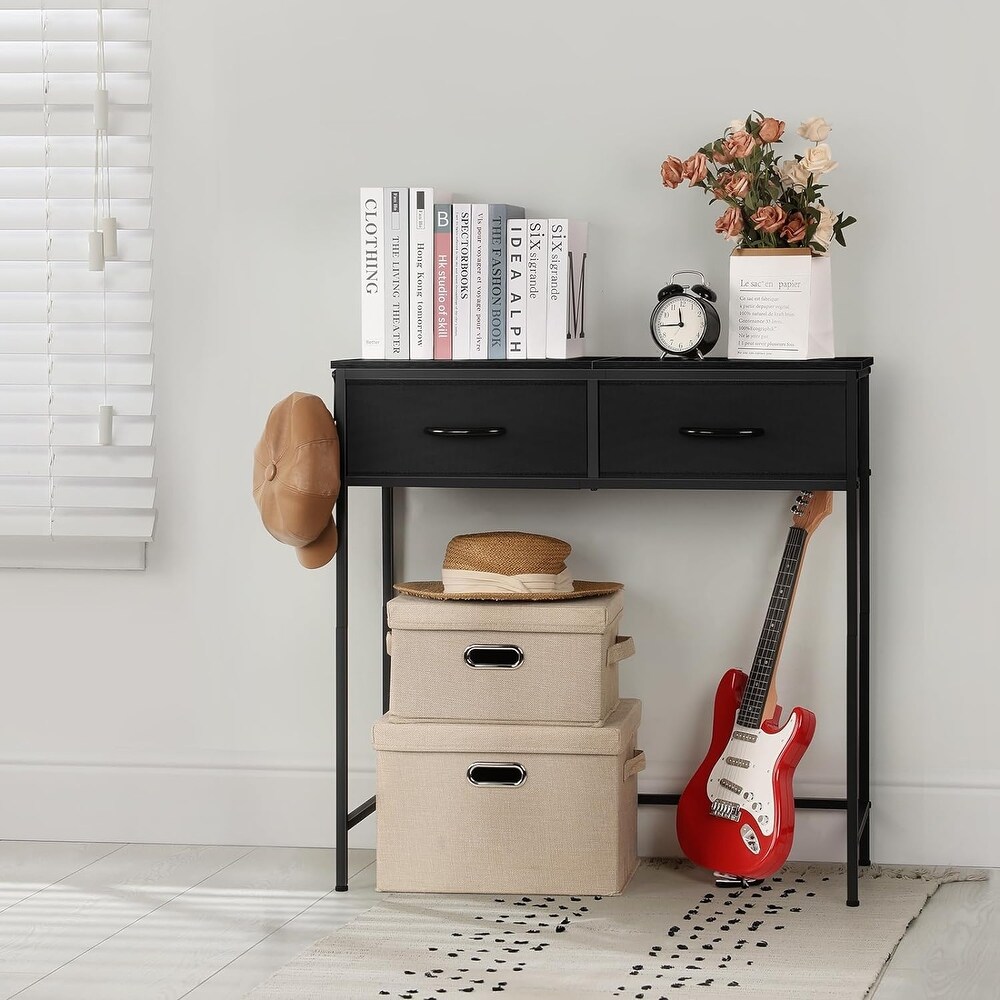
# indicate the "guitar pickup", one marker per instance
pixel 731 786
pixel 738 734
pixel 737 762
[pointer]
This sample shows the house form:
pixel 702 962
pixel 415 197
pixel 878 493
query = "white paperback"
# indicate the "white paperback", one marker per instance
pixel 479 283
pixel 461 282
pixel 372 274
pixel 421 273
pixel 536 274
pixel 397 298
pixel 516 289
pixel 567 271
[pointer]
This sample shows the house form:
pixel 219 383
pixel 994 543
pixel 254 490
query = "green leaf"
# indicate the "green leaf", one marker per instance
pixel 839 236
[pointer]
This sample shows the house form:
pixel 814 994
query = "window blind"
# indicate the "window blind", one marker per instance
pixel 74 339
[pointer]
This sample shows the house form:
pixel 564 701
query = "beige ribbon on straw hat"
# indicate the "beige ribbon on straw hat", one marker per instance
pixel 506 566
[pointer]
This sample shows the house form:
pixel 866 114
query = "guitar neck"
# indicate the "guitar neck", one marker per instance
pixel 765 662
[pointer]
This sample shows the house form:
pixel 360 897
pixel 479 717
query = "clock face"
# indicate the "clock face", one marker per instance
pixel 679 324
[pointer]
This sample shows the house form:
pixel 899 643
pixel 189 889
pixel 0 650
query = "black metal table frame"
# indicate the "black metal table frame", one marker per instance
pixel 856 803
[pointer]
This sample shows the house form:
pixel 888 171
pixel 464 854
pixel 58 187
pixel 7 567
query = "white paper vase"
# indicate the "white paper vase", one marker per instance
pixel 780 305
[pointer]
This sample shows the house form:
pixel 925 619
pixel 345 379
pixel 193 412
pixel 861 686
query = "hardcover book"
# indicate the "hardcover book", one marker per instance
pixel 421 273
pixel 442 281
pixel 537 282
pixel 397 296
pixel 499 214
pixel 479 293
pixel 372 274
pixel 516 290
pixel 461 289
pixel 567 269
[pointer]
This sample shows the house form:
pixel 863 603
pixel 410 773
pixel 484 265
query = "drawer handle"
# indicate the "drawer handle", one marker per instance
pixel 722 432
pixel 494 657
pixel 466 432
pixel 488 774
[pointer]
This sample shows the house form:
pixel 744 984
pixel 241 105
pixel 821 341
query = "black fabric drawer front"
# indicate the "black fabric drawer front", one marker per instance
pixel 544 428
pixel 803 423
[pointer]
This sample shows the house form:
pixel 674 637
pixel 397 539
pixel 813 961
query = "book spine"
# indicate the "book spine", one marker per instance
pixel 461 317
pixel 479 292
pixel 516 290
pixel 499 214
pixel 567 262
pixel 537 286
pixel 397 296
pixel 421 273
pixel 372 274
pixel 442 282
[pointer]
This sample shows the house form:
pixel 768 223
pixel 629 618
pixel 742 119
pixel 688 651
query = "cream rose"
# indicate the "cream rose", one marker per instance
pixel 793 174
pixel 815 129
pixel 824 229
pixel 817 160
pixel 737 125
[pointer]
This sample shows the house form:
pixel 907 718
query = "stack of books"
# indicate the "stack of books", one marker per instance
pixel 449 281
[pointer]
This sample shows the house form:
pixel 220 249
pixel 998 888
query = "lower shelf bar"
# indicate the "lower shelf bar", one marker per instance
pixel 656 799
pixel 362 812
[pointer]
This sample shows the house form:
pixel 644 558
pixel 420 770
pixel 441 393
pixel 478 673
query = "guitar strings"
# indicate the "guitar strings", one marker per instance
pixel 761 673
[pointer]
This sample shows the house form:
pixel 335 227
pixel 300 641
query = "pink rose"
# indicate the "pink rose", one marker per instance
pixel 771 130
pixel 730 223
pixel 737 184
pixel 696 168
pixel 768 219
pixel 795 228
pixel 739 144
pixel 720 154
pixel 672 172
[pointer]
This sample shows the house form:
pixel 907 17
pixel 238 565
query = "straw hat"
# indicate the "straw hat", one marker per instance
pixel 506 566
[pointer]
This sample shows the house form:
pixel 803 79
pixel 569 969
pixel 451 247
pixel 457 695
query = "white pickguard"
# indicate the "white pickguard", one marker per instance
pixel 754 775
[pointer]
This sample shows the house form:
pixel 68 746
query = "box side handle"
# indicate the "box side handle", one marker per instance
pixel 388 642
pixel 494 657
pixel 635 764
pixel 622 649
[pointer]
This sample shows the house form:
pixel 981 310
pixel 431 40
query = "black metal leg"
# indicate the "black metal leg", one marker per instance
pixel 864 627
pixel 340 762
pixel 852 697
pixel 388 576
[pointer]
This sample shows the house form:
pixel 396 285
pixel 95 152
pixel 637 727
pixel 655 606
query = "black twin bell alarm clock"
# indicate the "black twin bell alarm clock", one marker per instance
pixel 685 323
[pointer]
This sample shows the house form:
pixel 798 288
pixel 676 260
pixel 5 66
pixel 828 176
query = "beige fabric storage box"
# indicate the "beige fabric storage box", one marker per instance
pixel 473 807
pixel 523 661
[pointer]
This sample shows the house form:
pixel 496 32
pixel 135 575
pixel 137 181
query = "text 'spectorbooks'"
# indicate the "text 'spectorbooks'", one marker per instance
pixel 461 288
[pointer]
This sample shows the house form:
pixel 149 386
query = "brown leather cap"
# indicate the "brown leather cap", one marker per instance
pixel 296 477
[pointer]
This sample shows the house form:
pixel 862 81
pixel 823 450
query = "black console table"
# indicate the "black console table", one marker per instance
pixel 585 424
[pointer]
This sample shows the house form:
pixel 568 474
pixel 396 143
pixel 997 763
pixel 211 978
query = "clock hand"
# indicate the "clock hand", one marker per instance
pixel 680 318
pixel 671 324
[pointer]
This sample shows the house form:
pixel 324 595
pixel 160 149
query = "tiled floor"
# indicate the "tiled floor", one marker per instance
pixel 160 922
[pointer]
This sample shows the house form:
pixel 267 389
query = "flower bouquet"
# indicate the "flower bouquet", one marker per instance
pixel 772 203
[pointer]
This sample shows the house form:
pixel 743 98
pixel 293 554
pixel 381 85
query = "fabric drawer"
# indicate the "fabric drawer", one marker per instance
pixel 520 808
pixel 491 429
pixel 551 661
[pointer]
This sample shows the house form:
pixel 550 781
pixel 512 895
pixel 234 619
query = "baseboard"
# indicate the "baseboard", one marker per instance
pixel 262 806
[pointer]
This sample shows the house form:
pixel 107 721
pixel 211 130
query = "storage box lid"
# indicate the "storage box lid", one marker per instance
pixel 586 614
pixel 615 735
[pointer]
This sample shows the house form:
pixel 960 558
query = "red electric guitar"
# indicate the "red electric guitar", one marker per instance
pixel 737 814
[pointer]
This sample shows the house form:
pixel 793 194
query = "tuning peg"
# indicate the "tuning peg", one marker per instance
pixel 795 510
pixel 802 498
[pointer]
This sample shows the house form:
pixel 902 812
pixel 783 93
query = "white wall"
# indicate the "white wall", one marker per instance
pixel 194 701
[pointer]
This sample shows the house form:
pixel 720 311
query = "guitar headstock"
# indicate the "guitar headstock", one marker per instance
pixel 810 509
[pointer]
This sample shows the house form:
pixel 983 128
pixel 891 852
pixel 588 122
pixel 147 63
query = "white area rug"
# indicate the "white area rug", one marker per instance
pixel 672 933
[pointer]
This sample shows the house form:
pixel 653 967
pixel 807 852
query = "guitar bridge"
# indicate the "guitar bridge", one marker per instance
pixel 724 809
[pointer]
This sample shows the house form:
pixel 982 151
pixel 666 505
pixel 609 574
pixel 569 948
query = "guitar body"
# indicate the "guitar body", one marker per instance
pixel 737 813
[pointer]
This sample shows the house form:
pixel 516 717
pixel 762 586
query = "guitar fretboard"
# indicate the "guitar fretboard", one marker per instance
pixel 764 663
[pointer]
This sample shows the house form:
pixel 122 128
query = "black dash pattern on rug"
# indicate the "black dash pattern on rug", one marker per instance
pixel 716 939
pixel 489 959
